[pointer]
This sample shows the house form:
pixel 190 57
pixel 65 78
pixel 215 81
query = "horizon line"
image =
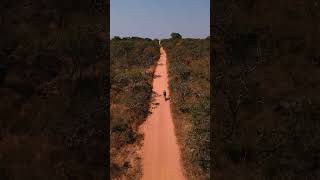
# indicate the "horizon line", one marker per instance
pixel 168 37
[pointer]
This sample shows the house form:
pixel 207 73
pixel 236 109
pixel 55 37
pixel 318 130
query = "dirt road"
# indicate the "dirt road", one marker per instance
pixel 160 152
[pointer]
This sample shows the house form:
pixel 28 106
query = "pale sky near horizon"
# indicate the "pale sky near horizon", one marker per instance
pixel 159 18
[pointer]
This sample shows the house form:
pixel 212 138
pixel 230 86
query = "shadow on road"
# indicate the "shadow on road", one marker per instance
pixel 156 76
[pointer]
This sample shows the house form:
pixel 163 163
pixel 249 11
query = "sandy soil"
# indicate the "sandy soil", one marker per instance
pixel 160 152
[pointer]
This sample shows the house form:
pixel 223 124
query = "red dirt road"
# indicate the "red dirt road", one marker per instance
pixel 160 152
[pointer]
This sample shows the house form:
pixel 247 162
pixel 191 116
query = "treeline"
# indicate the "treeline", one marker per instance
pixel 189 84
pixel 133 61
pixel 52 100
pixel 266 90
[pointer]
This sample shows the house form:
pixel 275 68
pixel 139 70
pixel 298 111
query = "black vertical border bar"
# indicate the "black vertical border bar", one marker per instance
pixel 107 91
pixel 212 17
pixel 107 86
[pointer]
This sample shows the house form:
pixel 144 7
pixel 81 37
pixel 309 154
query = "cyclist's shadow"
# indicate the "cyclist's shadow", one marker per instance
pixel 158 95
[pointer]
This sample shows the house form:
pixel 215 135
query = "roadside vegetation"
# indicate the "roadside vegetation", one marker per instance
pixel 133 62
pixel 189 83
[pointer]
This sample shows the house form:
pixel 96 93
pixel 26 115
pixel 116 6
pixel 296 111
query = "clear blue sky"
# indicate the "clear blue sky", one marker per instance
pixel 158 18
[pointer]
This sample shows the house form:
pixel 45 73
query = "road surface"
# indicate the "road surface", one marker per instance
pixel 160 152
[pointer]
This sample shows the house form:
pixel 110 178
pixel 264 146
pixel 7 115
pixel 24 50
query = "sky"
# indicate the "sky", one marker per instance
pixel 159 18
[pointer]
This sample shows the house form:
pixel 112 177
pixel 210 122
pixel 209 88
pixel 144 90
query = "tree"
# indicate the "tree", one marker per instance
pixel 116 38
pixel 175 35
pixel 147 39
